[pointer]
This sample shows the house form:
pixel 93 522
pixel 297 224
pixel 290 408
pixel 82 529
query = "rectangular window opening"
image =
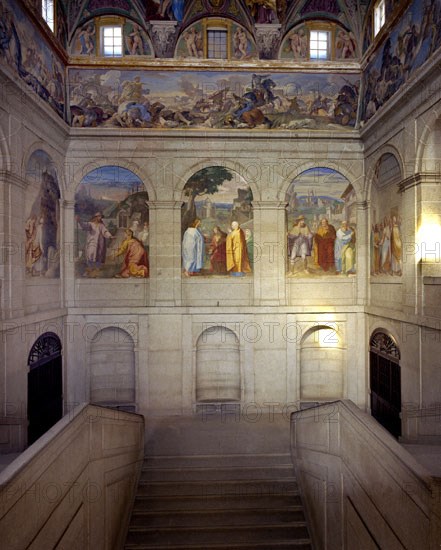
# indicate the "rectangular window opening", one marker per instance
pixel 47 11
pixel 217 44
pixel 319 45
pixel 379 16
pixel 112 41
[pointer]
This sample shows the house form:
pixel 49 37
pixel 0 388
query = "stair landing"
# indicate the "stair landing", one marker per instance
pixel 217 500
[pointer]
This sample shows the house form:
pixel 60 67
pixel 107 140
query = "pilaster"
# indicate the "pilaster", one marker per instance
pixel 269 252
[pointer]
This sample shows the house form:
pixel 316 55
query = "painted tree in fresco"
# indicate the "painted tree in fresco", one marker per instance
pixel 205 182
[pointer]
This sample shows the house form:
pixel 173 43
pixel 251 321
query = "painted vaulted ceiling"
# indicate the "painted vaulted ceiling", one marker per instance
pixel 350 13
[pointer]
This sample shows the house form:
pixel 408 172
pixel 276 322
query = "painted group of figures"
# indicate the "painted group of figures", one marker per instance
pixel 229 253
pixel 259 106
pixel 133 249
pixel 43 76
pixel 413 45
pixel 331 250
pixel 386 247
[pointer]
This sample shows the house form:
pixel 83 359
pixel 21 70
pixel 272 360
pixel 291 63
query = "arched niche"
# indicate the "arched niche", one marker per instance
pixel 112 369
pixel 386 218
pixel 322 224
pixel 109 201
pixel 42 225
pixel 215 200
pixel 431 156
pixel 322 364
pixel 218 377
pixel 385 381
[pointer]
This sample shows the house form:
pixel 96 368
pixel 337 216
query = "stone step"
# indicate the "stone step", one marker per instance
pixel 201 518
pixel 231 472
pixel 164 537
pixel 218 461
pixel 264 487
pixel 215 502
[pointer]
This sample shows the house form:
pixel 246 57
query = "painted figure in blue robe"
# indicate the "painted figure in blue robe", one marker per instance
pixel 344 249
pixel 178 9
pixel 193 249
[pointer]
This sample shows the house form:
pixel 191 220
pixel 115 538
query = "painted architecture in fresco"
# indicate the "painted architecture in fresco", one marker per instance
pixel 321 221
pixel 112 225
pixel 217 224
pixel 42 227
pixel 157 99
pixel 24 51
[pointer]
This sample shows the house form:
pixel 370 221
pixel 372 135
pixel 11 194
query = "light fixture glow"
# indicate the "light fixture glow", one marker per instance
pixel 429 241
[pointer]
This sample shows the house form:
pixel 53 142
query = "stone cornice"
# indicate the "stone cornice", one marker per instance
pixel 165 205
pixel 362 205
pixel 417 179
pixel 269 205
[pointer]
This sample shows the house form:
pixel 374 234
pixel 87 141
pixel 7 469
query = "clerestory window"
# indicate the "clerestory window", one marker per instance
pixel 47 11
pixel 112 41
pixel 379 16
pixel 217 43
pixel 319 45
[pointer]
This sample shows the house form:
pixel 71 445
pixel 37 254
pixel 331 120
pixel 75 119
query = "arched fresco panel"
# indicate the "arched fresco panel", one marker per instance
pixel 321 219
pixel 112 224
pixel 217 224
pixel 386 238
pixel 42 226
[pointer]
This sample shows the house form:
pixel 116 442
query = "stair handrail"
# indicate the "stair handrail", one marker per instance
pixel 325 440
pixel 82 472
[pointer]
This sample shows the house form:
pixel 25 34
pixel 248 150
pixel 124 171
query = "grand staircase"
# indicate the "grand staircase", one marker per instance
pixel 218 500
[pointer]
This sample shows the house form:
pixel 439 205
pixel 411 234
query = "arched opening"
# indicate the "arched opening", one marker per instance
pixel 322 365
pixel 112 369
pixel 218 366
pixel 385 382
pixel 45 385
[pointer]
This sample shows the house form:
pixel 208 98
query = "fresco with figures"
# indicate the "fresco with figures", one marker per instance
pixel 217 224
pixel 386 243
pixel 413 40
pixel 111 225
pixel 42 225
pixel 321 221
pixel 28 55
pixel 178 99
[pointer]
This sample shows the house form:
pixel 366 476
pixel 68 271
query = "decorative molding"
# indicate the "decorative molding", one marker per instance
pixel 269 205
pixel 14 179
pixel 165 205
pixel 418 179
pixel 70 204
pixel 163 35
pixel 362 205
pixel 267 39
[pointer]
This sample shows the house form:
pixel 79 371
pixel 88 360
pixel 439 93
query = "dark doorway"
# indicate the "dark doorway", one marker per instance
pixel 385 382
pixel 45 386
